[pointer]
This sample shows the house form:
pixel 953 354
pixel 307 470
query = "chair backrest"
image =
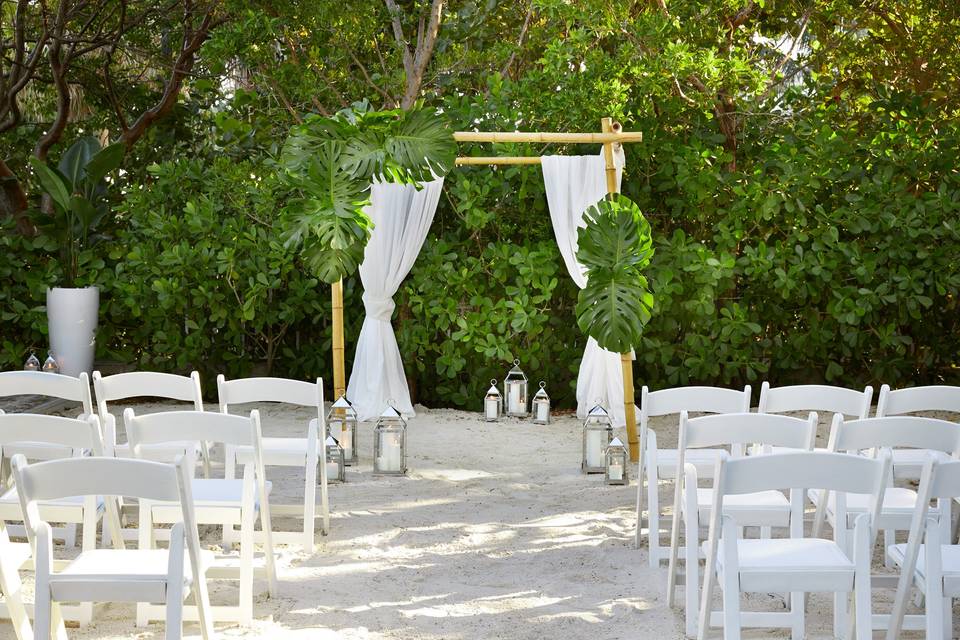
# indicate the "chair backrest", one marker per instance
pixel 68 432
pixel 815 397
pixel 98 476
pixel 693 400
pixel 149 384
pixel 805 470
pixel 51 385
pixel 244 390
pixel 914 399
pixel 192 426
pixel 911 432
pixel 747 428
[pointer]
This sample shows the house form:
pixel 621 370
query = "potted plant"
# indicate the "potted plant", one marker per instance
pixel 76 191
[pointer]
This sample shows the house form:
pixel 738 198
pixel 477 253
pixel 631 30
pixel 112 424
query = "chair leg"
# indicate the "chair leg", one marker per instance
pixel 10 588
pixel 731 607
pixel 70 536
pixel 638 533
pixel 840 614
pixel 862 584
pixel 174 621
pixel 947 617
pixel 889 539
pixel 310 509
pixel 246 565
pixel 692 573
pixel 202 600
pixel 797 629
pixel 653 515
pixel 934 615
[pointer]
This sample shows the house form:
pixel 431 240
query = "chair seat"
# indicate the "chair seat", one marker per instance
pixel 285 452
pixel 950 561
pixel 790 564
pixel 896 513
pixel 50 510
pixel 705 460
pixel 108 575
pixel 208 494
pixel 763 508
pixel 16 554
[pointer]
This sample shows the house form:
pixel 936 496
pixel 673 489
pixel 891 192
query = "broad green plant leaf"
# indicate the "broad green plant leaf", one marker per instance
pixel 74 161
pixel 615 246
pixel 105 161
pixel 53 183
pixel 419 146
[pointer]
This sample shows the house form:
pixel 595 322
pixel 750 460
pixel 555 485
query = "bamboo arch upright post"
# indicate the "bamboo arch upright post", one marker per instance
pixel 339 375
pixel 626 359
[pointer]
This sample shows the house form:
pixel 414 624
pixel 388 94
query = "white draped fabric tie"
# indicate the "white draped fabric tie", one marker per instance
pixel 573 184
pixel 401 216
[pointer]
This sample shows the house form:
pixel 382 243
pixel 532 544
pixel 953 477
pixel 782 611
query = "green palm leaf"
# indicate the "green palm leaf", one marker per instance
pixel 614 247
pixel 419 145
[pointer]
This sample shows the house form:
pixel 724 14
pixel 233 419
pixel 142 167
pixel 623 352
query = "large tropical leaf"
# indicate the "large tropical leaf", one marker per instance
pixel 105 161
pixel 419 145
pixel 74 161
pixel 53 183
pixel 615 246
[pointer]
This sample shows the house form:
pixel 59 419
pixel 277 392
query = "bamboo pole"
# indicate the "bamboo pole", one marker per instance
pixel 339 376
pixel 474 160
pixel 546 137
pixel 626 360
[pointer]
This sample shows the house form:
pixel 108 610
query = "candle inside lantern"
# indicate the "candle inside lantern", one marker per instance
pixel 543 411
pixel 515 406
pixel 333 472
pixel 616 471
pixel 595 445
pixel 491 409
pixel 346 440
pixel 390 460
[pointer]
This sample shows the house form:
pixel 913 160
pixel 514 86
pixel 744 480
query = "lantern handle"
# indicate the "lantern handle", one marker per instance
pixel 516 362
pixel 543 384
pixel 493 382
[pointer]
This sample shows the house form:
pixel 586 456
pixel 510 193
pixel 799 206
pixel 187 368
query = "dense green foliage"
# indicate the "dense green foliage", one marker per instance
pixel 803 201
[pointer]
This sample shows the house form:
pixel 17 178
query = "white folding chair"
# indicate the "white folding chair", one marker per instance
pixel 915 400
pixel 303 453
pixel 217 501
pixel 47 385
pixel 795 564
pixel 928 560
pixel 693 504
pixel 662 463
pixel 114 575
pixel 899 503
pixel 147 384
pixel 76 438
pixel 13 556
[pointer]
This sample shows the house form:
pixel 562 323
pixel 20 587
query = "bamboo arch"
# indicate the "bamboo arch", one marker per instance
pixel 611 135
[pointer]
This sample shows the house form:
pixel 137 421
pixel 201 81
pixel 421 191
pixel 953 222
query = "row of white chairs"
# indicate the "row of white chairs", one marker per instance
pixel 165 436
pixel 658 464
pixel 302 452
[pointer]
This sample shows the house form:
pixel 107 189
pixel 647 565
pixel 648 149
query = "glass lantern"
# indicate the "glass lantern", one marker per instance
pixel 597 434
pixel 334 459
pixel 616 462
pixel 390 444
pixel 541 405
pixel 32 363
pixel 515 391
pixel 492 403
pixel 50 365
pixel 342 425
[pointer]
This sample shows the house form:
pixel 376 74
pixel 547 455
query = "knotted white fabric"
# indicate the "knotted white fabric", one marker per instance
pixel 401 216
pixel 574 183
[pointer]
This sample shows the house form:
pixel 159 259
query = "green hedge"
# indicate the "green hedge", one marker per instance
pixel 832 253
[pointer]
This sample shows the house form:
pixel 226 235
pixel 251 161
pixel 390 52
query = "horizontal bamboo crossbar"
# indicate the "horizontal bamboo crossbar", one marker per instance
pixel 468 160
pixel 561 138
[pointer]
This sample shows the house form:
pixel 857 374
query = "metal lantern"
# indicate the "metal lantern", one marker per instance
pixel 492 403
pixel 334 459
pixel 50 365
pixel 390 444
pixel 342 425
pixel 616 462
pixel 597 434
pixel 541 405
pixel 32 363
pixel 515 391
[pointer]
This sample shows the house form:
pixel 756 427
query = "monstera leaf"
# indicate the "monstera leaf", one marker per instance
pixel 328 222
pixel 615 247
pixel 329 164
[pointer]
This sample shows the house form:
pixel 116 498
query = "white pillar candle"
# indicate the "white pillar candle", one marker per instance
pixel 543 411
pixel 346 441
pixel 333 472
pixel 595 445
pixel 616 471
pixel 390 460
pixel 515 399
pixel 491 409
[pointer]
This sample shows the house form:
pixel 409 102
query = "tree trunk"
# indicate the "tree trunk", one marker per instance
pixel 13 201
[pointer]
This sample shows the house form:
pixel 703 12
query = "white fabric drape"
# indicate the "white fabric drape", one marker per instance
pixel 401 216
pixel 574 183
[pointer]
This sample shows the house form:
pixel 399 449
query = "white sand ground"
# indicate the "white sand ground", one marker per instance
pixel 494 533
